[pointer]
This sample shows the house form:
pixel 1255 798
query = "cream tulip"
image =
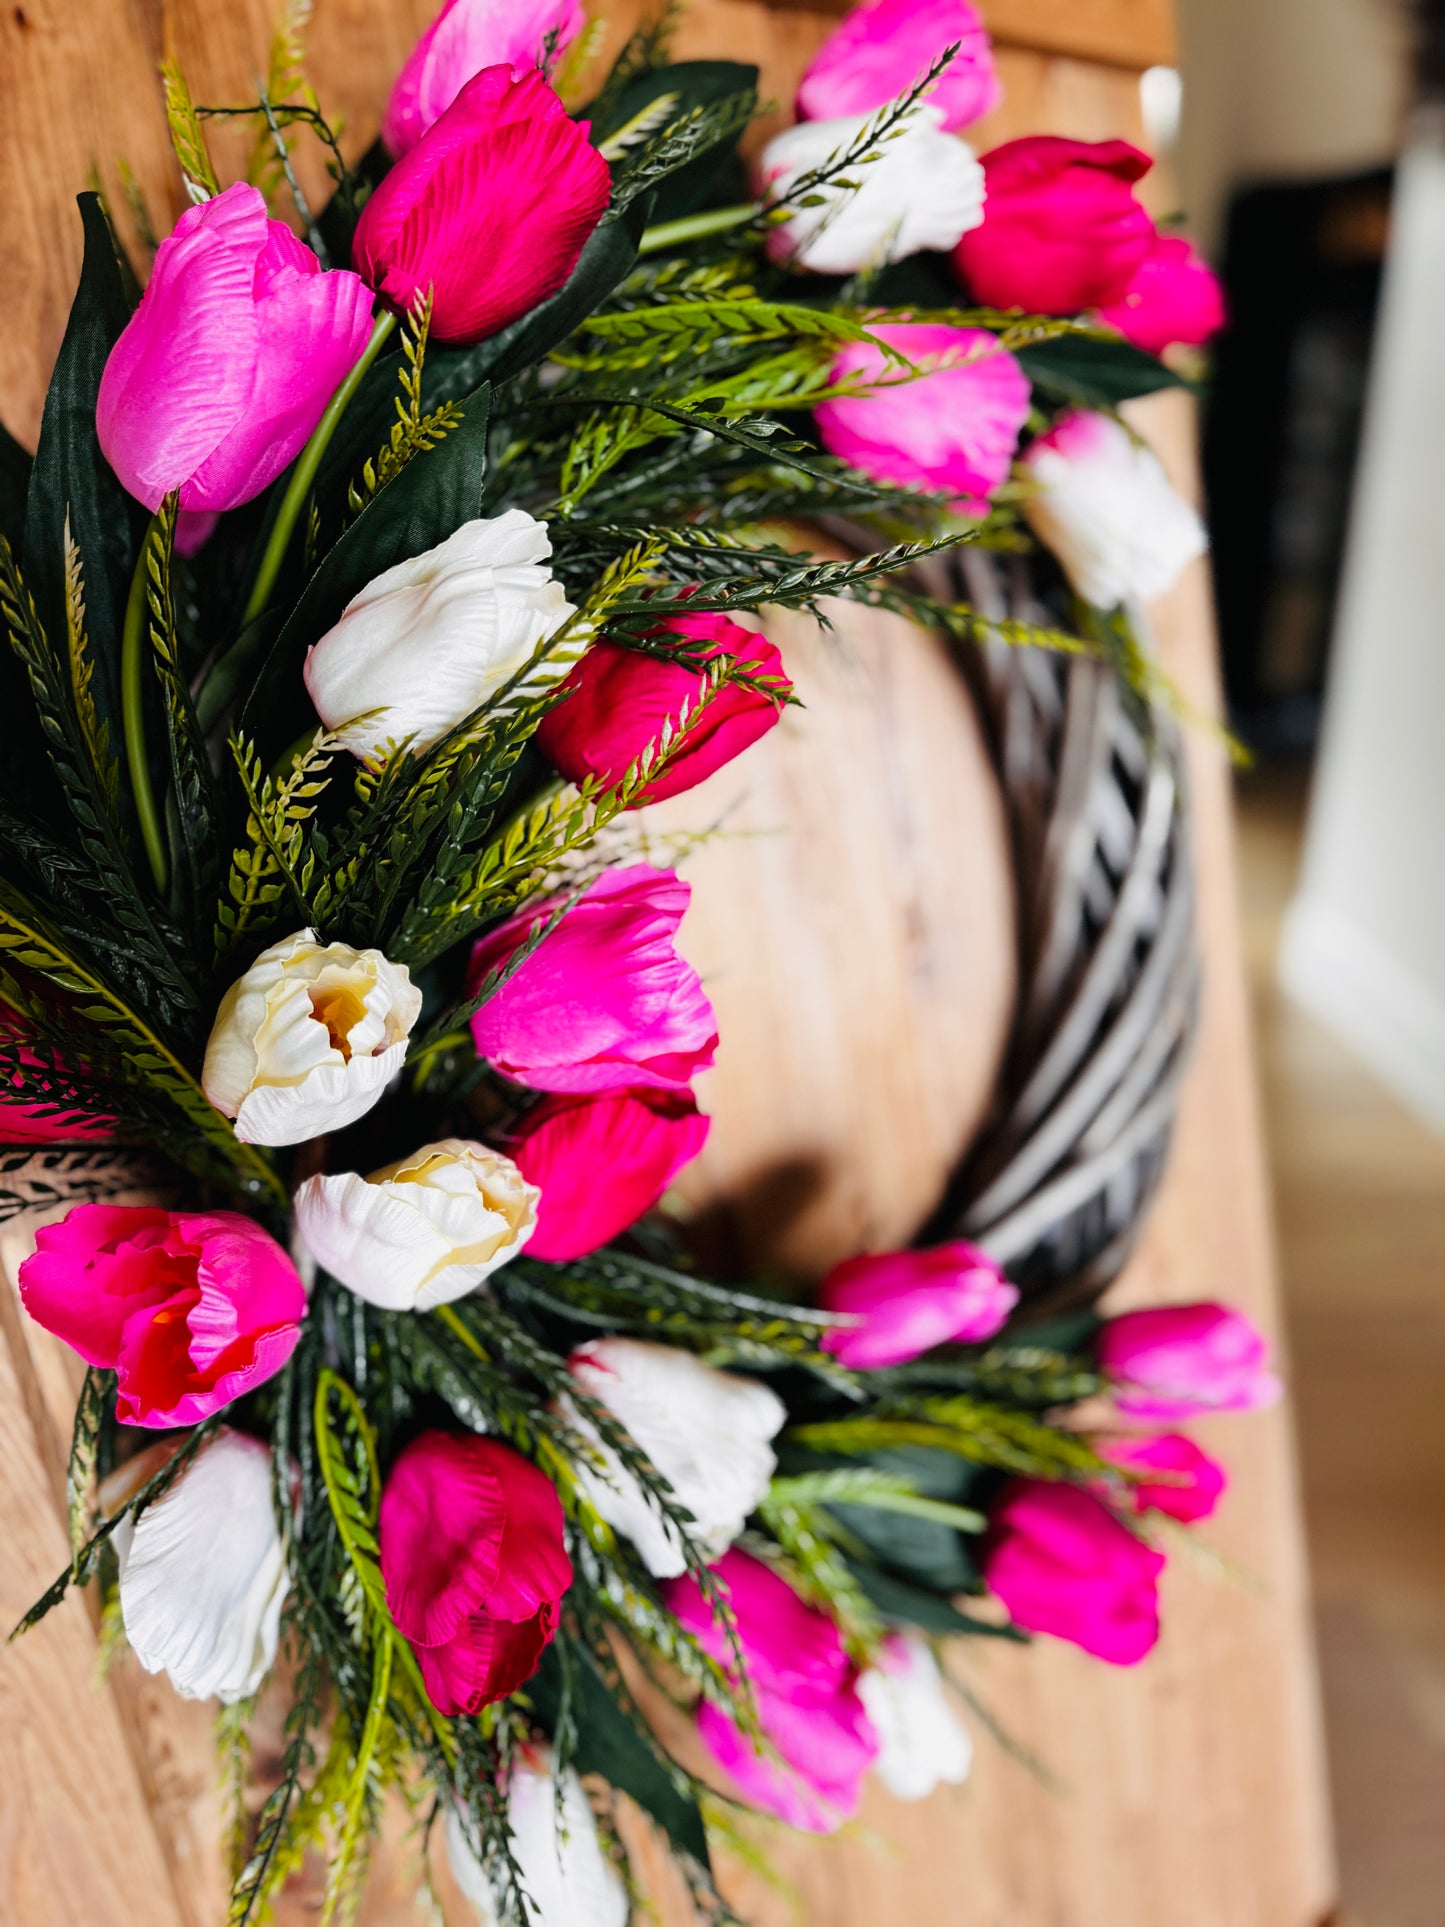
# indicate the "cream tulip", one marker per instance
pixel 203 1572
pixel 1102 502
pixel 420 1232
pixel 922 188
pixel 921 1741
pixel 427 642
pixel 308 1039
pixel 707 1432
pixel 567 1878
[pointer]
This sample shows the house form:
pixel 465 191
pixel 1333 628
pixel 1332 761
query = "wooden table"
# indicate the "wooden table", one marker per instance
pixel 858 950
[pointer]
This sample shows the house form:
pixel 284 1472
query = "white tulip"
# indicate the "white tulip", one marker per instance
pixel 1102 502
pixel 705 1431
pixel 428 641
pixel 308 1039
pixel 203 1573
pixel 921 1741
pixel 922 189
pixel 423 1231
pixel 566 1876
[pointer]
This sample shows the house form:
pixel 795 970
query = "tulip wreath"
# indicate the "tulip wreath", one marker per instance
pixel 352 609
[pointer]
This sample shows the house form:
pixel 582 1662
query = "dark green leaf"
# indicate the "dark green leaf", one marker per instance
pixel 905 1605
pixel 696 83
pixel 14 486
pixel 1094 372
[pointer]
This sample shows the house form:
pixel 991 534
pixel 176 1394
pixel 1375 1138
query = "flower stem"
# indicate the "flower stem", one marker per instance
pixel 304 473
pixel 133 717
pixel 691 227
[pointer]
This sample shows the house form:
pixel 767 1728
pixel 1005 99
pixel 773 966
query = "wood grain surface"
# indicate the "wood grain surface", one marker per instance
pixel 855 929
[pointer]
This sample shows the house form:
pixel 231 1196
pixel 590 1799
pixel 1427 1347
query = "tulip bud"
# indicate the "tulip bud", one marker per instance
pixel 705 1431
pixel 883 46
pixel 420 1232
pixel 429 641
pixel 1190 1484
pixel 921 189
pixel 1174 1360
pixel 203 1571
pixel 906 1302
pixel 569 1881
pixel 466 37
pixel 1102 502
pixel 953 431
pixel 921 1743
pixel 227 365
pixel 308 1039
pixel 490 210
pixel 1173 297
pixel 1061 231
pixel 1063 1564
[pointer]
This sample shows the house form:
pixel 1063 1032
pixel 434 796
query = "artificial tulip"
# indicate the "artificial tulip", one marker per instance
pixel 921 1742
pixel 1102 502
pixel 603 1002
pixel 906 1302
pixel 420 1232
pixel 601 1161
pixel 490 210
pixel 427 642
pixel 806 1691
pixel 1062 1563
pixel 308 1039
pixel 952 431
pixel 882 47
pixel 920 188
pixel 707 1432
pixel 466 37
pixel 1174 296
pixel 1190 1484
pixel 1062 230
pixel 474 1565
pixel 617 701
pixel 569 1881
pixel 203 1571
pixel 1175 1360
pixel 189 1308
pixel 227 365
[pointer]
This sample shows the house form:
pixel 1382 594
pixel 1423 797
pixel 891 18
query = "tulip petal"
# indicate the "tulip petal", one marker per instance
pixel 488 1659
pixel 91 1272
pixel 443 1514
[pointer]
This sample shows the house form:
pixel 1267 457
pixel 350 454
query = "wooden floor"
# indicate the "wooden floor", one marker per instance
pixel 1360 1199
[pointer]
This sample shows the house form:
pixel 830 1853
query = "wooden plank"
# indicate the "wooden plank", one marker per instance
pixel 1124 33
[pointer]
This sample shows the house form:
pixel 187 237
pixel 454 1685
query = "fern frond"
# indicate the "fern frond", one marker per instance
pixel 187 141
pixel 285 82
pixel 94 732
pixel 193 787
pixel 413 432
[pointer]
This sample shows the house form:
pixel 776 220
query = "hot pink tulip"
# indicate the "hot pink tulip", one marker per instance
pixel 489 210
pixel 604 1002
pixel 474 1564
pixel 228 363
pixel 1063 1564
pixel 883 46
pixel 953 430
pixel 190 1308
pixel 465 37
pixel 806 1690
pixel 910 1301
pixel 1179 1359
pixel 1192 1484
pixel 618 701
pixel 602 1161
pixel 23 1123
pixel 1061 229
pixel 1174 296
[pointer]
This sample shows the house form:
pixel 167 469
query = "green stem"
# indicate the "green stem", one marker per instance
pixel 132 650
pixel 304 473
pixel 692 227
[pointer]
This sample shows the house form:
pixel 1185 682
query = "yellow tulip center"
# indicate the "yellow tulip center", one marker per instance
pixel 339 1007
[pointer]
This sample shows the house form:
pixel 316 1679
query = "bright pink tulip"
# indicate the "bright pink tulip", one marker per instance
pixel 1174 296
pixel 190 1308
pixel 883 46
pixel 910 1301
pixel 1062 1563
pixel 1061 228
pixel 465 37
pixel 1179 1359
pixel 489 210
pixel 806 1689
pixel 474 1563
pixel 601 1162
pixel 227 365
pixel 23 1123
pixel 618 700
pixel 953 430
pixel 604 1002
pixel 1192 1484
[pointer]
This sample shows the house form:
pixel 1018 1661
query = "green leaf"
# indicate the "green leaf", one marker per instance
pixel 15 467
pixel 905 1605
pixel 1095 372
pixel 694 83
pixel 427 502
